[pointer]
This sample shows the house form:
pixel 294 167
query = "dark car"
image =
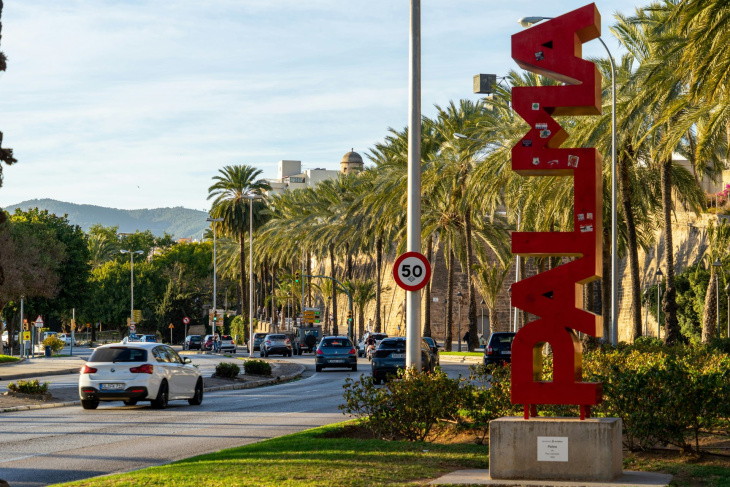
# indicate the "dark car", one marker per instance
pixel 276 343
pixel 499 348
pixel 391 356
pixel 257 339
pixel 193 342
pixel 335 352
pixel 434 349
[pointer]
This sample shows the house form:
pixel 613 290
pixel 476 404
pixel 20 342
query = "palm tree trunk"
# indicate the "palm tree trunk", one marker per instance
pixel 244 306
pixel 378 271
pixel 448 337
pixel 633 247
pixel 709 316
pixel 427 317
pixel 669 306
pixel 472 328
pixel 493 321
pixel 333 274
pixel 361 321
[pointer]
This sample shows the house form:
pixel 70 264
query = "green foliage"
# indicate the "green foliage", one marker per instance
pixel 487 397
pixel 410 407
pixel 29 387
pixel 227 370
pixel 8 359
pixel 239 327
pixel 54 342
pixel 257 367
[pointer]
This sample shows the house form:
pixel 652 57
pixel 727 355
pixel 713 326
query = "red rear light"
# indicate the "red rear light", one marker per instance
pixel 142 369
pixel 320 352
pixel 287 341
pixel 490 351
pixel 268 342
pixel 88 370
pixel 352 351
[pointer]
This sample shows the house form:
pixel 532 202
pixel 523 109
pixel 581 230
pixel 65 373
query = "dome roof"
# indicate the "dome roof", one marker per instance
pixel 352 157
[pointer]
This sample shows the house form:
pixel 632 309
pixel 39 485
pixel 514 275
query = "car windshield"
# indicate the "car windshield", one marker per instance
pixel 336 342
pixel 379 336
pixel 429 340
pixel 258 336
pixel 226 337
pixel 118 354
pixel 195 339
pixel 501 341
pixel 392 344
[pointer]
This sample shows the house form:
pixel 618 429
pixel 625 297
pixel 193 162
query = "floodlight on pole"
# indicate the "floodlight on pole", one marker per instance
pixel 527 22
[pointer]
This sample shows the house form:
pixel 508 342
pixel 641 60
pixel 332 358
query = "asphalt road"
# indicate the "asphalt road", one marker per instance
pixel 47 446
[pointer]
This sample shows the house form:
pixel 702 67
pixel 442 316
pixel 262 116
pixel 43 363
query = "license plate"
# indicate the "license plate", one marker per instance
pixel 337 361
pixel 398 355
pixel 111 387
pixel 508 352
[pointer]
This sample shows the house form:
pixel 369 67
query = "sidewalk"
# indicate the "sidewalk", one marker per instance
pixel 69 396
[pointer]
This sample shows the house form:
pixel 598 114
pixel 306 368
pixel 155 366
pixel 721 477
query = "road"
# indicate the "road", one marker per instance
pixel 46 446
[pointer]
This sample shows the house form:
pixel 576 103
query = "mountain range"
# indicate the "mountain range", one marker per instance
pixel 179 222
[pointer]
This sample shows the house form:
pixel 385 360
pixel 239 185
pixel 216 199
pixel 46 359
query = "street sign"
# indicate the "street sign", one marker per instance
pixel 218 315
pixel 186 320
pixel 411 271
pixel 132 328
pixel 26 336
pixel 171 326
pixel 39 322
pixel 137 315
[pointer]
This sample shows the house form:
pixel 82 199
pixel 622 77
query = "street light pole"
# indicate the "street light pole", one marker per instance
pixel 482 305
pixel 251 197
pixel 527 22
pixel 717 264
pixel 659 275
pixel 131 267
pixel 215 277
pixel 413 311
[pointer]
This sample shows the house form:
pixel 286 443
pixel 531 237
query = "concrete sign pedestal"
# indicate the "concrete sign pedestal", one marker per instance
pixel 555 449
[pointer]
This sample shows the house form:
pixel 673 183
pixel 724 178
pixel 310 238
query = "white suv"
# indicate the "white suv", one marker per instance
pixel 132 372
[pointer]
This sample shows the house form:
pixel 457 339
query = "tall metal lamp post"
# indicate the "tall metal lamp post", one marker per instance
pixel 482 305
pixel 215 278
pixel 659 276
pixel 727 291
pixel 458 337
pixel 131 286
pixel 646 313
pixel 251 197
pixel 527 22
pixel 717 264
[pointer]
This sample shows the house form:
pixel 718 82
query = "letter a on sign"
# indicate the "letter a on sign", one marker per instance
pixel 553 49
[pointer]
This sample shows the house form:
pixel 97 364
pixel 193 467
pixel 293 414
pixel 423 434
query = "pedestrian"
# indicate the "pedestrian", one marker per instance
pixel 482 341
pixel 466 338
pixel 217 343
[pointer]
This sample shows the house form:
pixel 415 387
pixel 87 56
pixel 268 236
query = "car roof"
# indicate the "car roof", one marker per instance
pixel 146 345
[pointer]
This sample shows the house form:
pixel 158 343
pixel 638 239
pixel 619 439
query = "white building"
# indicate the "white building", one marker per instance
pixel 291 176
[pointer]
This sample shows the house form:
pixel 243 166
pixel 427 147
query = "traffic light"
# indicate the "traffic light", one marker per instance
pixel 349 316
pixel 25 326
pixel 296 277
pixel 316 316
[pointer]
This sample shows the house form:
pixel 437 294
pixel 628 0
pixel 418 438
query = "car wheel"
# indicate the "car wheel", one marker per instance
pixel 160 402
pixel 89 404
pixel 197 399
pixel 131 402
pixel 377 381
pixel 354 368
pixel 318 368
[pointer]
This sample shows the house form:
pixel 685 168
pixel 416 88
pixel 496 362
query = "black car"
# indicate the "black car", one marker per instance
pixel 193 342
pixel 391 356
pixel 434 349
pixel 499 348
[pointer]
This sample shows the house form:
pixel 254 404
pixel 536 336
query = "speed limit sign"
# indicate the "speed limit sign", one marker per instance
pixel 411 271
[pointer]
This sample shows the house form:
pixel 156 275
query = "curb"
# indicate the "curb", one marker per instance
pixel 42 374
pixel 248 385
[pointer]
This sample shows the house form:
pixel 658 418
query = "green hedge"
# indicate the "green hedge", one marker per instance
pixel 257 367
pixel 227 370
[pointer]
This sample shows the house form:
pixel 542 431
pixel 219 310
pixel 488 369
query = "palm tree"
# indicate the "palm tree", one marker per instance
pixel 717 251
pixel 101 249
pixel 489 280
pixel 230 190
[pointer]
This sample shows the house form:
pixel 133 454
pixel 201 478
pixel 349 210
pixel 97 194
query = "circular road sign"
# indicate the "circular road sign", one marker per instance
pixel 186 320
pixel 132 328
pixel 411 271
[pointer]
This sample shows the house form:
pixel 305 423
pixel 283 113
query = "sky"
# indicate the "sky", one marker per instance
pixel 139 103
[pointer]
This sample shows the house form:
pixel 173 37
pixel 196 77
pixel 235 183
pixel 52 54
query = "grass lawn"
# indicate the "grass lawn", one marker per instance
pixel 309 458
pixel 7 358
pixel 463 354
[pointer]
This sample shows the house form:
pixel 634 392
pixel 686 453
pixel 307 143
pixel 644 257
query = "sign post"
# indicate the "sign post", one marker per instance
pixel 171 327
pixel 186 322
pixel 412 272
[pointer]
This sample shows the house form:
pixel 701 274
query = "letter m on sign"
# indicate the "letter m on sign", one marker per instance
pixel 554 49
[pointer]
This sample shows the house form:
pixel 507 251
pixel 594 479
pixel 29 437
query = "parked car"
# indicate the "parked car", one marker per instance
pixel 335 351
pixel 276 343
pixel 228 344
pixel 66 338
pixel 131 339
pixel 138 371
pixel 148 338
pixel 362 344
pixel 193 342
pixel 434 349
pixel 257 339
pixel 391 356
pixel 499 348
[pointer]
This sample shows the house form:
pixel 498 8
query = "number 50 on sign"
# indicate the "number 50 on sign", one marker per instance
pixel 411 271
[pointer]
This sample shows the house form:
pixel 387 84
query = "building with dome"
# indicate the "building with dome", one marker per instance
pixel 291 176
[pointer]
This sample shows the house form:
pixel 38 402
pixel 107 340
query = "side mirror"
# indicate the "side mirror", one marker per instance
pixel 187 361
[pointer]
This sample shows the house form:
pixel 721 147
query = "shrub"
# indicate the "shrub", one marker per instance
pixel 227 370
pixel 29 387
pixel 487 396
pixel 54 342
pixel 409 407
pixel 257 367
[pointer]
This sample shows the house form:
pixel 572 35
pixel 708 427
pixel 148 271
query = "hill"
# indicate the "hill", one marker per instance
pixel 179 222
